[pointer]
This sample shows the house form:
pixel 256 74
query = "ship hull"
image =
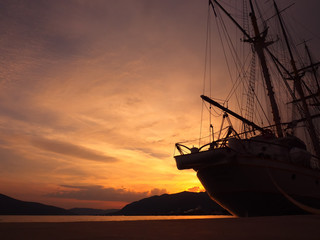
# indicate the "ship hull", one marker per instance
pixel 258 187
pixel 255 186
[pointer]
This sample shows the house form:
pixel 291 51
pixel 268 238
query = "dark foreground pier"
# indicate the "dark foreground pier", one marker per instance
pixel 283 227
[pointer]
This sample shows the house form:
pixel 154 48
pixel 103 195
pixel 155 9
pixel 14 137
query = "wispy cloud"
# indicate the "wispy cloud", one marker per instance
pixel 152 152
pixel 69 149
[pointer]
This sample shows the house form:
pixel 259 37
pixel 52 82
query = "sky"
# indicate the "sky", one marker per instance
pixel 94 95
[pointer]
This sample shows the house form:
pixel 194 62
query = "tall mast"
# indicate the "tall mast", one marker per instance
pixel 259 44
pixel 314 71
pixel 298 86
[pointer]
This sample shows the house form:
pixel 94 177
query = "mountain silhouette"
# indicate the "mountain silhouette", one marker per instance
pixel 11 206
pixel 184 203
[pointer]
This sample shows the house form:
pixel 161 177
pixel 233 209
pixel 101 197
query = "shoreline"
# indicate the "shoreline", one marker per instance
pixel 280 227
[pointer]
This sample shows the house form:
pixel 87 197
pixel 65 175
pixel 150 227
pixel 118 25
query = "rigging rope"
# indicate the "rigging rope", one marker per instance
pixel 229 42
pixel 207 66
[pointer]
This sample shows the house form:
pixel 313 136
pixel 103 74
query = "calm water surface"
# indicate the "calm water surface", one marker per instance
pixel 20 218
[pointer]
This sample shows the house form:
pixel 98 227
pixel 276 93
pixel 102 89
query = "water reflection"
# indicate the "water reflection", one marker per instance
pixel 19 218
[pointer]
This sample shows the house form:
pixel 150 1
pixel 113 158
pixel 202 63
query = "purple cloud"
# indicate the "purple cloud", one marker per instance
pixel 99 193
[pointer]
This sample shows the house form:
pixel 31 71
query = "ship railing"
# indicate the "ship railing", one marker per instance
pixel 220 143
pixel 230 133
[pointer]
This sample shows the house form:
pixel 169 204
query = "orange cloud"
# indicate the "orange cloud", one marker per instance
pixel 70 149
pixel 196 189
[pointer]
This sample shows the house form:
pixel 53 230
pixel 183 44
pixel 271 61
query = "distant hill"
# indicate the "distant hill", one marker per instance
pixel 11 206
pixel 92 211
pixel 184 203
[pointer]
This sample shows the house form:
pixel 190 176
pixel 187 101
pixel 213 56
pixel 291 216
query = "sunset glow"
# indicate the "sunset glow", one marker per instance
pixel 94 95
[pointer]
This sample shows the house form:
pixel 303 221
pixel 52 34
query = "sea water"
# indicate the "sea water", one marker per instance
pixel 30 218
